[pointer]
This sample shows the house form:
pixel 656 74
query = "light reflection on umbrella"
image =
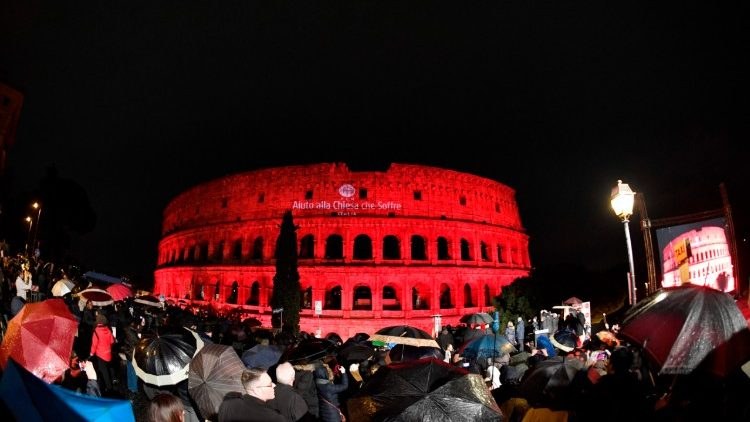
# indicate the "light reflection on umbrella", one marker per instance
pixel 163 358
pixel 405 334
pixel 97 297
pixel 215 371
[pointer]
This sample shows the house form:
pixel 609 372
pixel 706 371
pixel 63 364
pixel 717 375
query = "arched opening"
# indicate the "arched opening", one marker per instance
pixel 443 251
pixel 257 254
pixel 420 295
pixel 465 250
pixel 219 252
pixel 234 293
pixel 307 247
pixel 362 298
pixel 237 250
pixel 418 248
pixel 487 296
pixel 391 247
pixel 217 290
pixel 190 255
pixel 445 297
pixel 390 299
pixel 362 247
pixel 333 299
pixel 199 292
pixel 306 298
pixel 254 298
pixel 468 302
pixel 500 253
pixel 484 251
pixel 334 247
pixel 203 252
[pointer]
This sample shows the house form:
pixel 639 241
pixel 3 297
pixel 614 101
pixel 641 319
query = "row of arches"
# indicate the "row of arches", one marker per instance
pixel 391 297
pixel 362 249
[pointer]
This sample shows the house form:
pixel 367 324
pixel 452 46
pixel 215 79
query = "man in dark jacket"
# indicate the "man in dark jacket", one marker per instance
pixel 253 406
pixel 288 400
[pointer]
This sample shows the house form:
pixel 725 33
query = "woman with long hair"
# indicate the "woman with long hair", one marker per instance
pixel 166 407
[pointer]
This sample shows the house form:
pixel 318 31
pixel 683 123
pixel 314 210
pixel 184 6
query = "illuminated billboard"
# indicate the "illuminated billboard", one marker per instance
pixel 696 253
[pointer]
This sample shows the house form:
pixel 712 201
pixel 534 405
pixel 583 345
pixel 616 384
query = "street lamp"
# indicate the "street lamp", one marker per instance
pixel 622 201
pixel 28 236
pixel 37 206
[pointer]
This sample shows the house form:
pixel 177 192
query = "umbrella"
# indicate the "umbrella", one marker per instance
pixel 97 297
pixel 477 318
pixel 262 356
pixel 62 287
pixel 149 300
pixel 40 338
pixel 353 352
pixel 543 342
pixel 608 338
pixel 548 382
pixel 31 399
pixel 119 292
pixel 486 346
pixel 309 350
pixel 404 352
pixel 573 301
pixel 164 358
pixel 405 334
pixel 251 323
pixel 214 372
pixel 102 277
pixel 678 327
pixel 425 389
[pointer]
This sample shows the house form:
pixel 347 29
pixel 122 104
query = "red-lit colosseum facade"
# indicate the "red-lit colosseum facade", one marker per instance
pixel 414 244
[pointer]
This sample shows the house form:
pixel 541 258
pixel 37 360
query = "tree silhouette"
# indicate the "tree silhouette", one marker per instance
pixel 286 286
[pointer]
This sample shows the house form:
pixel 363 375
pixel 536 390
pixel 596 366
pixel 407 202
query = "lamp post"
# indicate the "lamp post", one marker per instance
pixel 622 203
pixel 37 206
pixel 28 235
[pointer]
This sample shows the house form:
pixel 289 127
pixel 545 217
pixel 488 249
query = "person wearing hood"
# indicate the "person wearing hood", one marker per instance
pixel 510 333
pixel 328 392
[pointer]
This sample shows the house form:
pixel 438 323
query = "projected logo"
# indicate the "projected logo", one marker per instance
pixel 346 190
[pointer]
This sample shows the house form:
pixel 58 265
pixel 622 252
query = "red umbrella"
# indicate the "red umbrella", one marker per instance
pixel 97 297
pixel 119 291
pixel 40 338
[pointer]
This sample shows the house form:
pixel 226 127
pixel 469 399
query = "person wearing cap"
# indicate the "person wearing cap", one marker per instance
pixel 101 353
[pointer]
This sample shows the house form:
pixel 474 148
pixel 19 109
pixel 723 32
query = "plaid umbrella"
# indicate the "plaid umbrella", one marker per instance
pixel 215 371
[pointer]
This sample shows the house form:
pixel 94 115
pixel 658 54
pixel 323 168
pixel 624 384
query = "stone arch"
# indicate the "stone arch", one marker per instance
pixel 500 253
pixel 203 251
pixel 465 250
pixel 443 249
pixel 190 254
pixel 234 292
pixel 487 296
pixel 484 251
pixel 306 295
pixel 391 247
pixel 307 247
pixel 334 247
pixel 217 290
pixel 418 248
pixel 219 251
pixel 362 247
pixel 469 301
pixel 446 297
pixel 391 299
pixel 257 253
pixel 254 297
pixel 362 298
pixel 237 250
pixel 200 291
pixel 333 298
pixel 421 294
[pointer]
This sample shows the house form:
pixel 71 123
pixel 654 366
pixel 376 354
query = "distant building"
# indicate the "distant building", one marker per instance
pixel 710 263
pixel 410 245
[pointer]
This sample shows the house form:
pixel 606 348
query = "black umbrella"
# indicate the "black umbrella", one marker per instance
pixel 425 389
pixel 678 327
pixel 308 351
pixel 404 352
pixel 164 358
pixel 352 352
pixel 549 382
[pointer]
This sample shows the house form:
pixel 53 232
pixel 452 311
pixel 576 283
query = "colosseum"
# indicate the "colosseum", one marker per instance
pixel 413 244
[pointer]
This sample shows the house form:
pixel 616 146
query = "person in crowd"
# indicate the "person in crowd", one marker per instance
pixel 304 381
pixel 510 333
pixel 24 284
pixel 288 401
pixel 165 407
pixel 253 406
pixel 328 392
pixel 520 334
pixel 101 353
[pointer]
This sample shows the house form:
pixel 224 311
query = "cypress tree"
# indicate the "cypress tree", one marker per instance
pixel 286 285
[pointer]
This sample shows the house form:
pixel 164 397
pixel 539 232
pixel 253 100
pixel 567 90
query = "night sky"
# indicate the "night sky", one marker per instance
pixel 139 101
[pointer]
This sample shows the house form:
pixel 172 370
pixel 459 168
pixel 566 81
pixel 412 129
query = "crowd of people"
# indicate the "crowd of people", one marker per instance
pixel 609 379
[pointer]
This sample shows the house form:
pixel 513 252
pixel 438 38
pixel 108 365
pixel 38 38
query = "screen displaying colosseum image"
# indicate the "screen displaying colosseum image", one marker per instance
pixel 696 253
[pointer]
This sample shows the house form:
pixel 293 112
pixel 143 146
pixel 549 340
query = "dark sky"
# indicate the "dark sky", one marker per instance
pixel 138 101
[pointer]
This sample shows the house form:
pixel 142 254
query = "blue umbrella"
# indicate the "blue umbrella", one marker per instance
pixel 543 342
pixel 30 399
pixel 262 356
pixel 486 346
